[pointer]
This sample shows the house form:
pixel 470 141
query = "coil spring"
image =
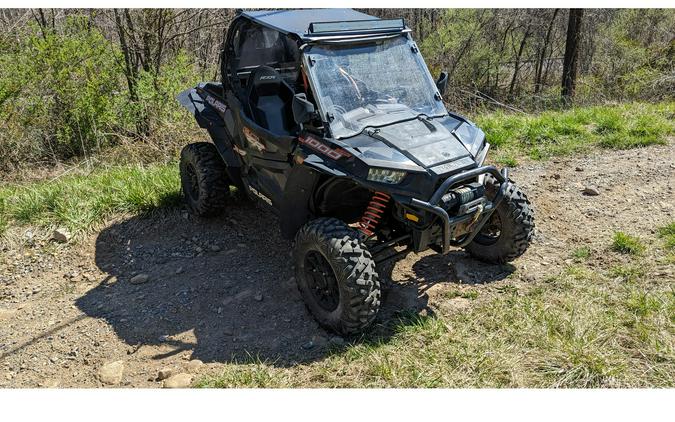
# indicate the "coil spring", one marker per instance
pixel 373 213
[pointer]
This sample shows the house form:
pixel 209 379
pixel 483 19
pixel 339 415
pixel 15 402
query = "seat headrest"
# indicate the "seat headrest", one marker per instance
pixel 265 75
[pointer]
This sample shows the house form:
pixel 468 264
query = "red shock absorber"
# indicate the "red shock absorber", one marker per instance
pixel 371 217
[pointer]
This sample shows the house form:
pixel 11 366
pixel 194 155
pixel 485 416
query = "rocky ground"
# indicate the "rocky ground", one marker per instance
pixel 162 300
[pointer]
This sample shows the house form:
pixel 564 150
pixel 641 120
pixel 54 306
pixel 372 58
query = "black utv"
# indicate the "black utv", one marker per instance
pixel 332 117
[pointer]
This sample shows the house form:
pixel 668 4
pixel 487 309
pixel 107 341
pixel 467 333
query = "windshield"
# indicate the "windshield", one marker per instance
pixel 373 84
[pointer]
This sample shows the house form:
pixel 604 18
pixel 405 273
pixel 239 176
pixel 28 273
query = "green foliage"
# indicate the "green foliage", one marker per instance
pixel 156 106
pixel 556 133
pixel 63 95
pixel 633 63
pixel 58 93
pixel 626 55
pixel 627 244
pixel 82 201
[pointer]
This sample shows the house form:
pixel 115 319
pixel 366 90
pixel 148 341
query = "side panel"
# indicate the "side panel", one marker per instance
pixel 295 206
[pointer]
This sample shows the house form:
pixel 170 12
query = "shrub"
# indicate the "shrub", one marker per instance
pixel 58 93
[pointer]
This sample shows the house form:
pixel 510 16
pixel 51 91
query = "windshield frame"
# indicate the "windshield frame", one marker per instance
pixel 315 86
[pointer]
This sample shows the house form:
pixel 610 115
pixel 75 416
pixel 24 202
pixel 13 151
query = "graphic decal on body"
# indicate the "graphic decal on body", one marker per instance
pixel 319 146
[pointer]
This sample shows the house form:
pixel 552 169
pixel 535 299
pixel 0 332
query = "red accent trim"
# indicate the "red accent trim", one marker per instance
pixel 324 149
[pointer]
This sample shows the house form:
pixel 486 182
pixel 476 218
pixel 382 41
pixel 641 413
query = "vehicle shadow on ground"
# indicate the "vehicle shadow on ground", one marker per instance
pixel 223 289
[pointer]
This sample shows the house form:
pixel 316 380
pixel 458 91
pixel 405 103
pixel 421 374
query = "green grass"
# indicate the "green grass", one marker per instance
pixel 628 273
pixel 79 202
pixel 465 294
pixel 627 244
pixel 581 253
pixel 667 233
pixel 575 329
pixel 557 133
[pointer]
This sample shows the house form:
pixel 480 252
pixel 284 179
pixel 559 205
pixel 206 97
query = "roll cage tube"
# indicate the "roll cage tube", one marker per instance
pixel 230 70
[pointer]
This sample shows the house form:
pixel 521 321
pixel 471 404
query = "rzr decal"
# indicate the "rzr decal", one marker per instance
pixel 318 146
pixel 253 139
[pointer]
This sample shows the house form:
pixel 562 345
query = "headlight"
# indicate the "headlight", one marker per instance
pixel 386 175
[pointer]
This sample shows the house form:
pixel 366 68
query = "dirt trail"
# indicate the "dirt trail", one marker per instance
pixel 221 290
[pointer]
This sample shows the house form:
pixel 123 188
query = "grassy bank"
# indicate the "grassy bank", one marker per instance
pixel 558 133
pixel 583 327
pixel 80 201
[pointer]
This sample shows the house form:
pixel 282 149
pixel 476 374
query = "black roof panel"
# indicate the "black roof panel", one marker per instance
pixel 297 21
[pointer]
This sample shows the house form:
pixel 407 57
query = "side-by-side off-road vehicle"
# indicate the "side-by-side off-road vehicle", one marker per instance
pixel 332 117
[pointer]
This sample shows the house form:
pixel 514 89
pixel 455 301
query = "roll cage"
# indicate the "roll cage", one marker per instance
pixel 277 38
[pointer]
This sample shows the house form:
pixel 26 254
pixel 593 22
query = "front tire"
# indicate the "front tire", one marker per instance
pixel 508 233
pixel 336 276
pixel 203 178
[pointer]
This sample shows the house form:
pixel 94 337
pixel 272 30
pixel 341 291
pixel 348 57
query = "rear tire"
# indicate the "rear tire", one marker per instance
pixel 203 179
pixel 508 233
pixel 336 276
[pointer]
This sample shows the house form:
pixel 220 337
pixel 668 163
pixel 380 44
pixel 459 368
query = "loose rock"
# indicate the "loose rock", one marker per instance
pixel 181 380
pixel 61 235
pixel 319 341
pixel 51 383
pixel 164 374
pixel 591 191
pixel 194 365
pixel 111 373
pixel 140 279
pixel 6 313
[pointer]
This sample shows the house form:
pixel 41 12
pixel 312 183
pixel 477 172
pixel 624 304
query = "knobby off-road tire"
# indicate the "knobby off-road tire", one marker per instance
pixel 336 276
pixel 203 179
pixel 509 231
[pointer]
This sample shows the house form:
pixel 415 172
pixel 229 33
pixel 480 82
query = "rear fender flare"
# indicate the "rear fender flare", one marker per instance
pixel 211 113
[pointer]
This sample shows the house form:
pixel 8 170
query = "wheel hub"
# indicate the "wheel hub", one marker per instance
pixel 321 280
pixel 491 231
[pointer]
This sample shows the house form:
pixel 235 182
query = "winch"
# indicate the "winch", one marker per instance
pixel 463 195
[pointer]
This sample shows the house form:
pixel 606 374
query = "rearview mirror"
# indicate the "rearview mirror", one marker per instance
pixel 442 83
pixel 303 110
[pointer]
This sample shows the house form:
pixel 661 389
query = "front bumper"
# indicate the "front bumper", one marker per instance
pixel 448 223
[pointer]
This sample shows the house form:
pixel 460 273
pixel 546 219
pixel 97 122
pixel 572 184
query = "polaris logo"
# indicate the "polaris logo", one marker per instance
pixel 262 78
pixel 216 104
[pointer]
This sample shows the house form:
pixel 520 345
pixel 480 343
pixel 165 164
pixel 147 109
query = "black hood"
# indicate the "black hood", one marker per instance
pixel 441 145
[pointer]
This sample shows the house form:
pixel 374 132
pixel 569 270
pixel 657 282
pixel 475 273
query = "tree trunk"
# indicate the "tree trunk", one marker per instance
pixel 540 64
pixel 129 67
pixel 516 67
pixel 570 62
